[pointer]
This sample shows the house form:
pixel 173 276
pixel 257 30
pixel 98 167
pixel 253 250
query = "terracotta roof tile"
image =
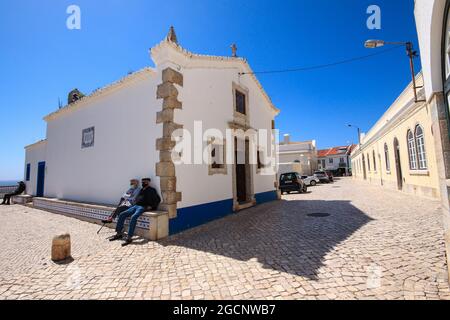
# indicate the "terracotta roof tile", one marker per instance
pixel 335 151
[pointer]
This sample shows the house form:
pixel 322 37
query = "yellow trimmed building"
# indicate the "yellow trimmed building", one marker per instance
pixel 398 152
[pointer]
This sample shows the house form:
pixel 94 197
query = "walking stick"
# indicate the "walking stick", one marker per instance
pixel 98 231
pixel 112 216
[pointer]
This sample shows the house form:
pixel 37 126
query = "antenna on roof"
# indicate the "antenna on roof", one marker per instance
pixel 59 103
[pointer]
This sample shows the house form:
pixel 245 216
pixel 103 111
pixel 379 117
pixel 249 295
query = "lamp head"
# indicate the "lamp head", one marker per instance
pixel 374 44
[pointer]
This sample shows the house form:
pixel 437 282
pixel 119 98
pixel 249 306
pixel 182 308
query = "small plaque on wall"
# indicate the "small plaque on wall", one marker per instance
pixel 87 137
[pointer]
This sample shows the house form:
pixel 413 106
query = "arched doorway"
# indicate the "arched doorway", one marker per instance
pixel 398 165
pixel 364 167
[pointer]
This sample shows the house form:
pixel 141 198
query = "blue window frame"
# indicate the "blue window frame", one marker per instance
pixel 27 173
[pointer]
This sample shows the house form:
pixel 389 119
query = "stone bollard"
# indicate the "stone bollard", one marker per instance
pixel 61 247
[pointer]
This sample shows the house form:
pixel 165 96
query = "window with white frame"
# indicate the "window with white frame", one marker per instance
pixel 260 159
pixel 420 142
pixel 412 151
pixel 446 56
pixel 240 101
pixel 447 48
pixel 386 158
pixel 217 156
pixel 374 161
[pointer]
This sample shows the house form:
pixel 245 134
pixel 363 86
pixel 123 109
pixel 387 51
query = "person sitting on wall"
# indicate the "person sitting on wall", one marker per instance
pixel 7 198
pixel 147 199
pixel 128 200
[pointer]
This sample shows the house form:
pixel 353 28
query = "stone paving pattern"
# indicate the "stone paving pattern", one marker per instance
pixel 375 244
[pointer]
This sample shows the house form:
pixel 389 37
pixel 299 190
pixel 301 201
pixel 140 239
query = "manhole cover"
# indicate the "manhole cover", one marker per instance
pixel 318 214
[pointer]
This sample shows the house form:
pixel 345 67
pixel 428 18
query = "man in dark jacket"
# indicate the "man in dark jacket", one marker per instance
pixel 147 199
pixel 7 198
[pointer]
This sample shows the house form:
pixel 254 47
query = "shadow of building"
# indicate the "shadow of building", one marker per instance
pixel 281 235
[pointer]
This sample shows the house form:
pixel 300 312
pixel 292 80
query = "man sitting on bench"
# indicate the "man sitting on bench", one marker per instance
pixel 128 199
pixel 147 199
pixel 19 190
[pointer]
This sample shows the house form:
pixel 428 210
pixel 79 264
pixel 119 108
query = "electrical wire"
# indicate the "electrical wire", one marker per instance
pixel 322 66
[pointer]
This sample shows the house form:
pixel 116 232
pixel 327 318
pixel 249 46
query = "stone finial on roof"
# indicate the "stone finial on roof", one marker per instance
pixel 171 36
pixel 74 95
pixel 233 50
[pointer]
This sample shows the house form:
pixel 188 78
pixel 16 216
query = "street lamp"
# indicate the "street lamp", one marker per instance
pixel 371 44
pixel 359 132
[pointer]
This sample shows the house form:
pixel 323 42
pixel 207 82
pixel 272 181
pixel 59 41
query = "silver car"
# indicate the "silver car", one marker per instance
pixel 310 180
pixel 322 176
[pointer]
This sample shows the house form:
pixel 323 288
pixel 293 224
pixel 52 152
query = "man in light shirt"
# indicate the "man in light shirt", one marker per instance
pixel 127 200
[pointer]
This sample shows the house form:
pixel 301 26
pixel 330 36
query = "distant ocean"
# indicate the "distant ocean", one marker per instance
pixel 8 182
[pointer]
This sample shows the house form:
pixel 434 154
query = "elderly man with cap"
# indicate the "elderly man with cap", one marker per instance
pixel 19 190
pixel 128 199
pixel 147 199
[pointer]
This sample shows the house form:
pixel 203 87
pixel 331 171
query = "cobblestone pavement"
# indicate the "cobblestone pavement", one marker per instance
pixel 374 244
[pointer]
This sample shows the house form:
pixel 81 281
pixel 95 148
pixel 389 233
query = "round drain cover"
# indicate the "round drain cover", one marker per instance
pixel 318 214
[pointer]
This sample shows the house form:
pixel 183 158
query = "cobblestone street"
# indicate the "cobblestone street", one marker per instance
pixel 363 243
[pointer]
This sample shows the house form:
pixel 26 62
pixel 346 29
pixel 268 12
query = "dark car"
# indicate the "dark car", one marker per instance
pixel 291 181
pixel 322 176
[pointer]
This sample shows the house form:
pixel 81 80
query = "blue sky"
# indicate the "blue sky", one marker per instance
pixel 41 60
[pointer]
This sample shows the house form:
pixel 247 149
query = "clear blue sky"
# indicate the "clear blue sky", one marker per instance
pixel 41 60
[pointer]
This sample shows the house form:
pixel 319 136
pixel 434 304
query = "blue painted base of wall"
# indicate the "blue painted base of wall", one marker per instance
pixel 190 217
pixel 266 196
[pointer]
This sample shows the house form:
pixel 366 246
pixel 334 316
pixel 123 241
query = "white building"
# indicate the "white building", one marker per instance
pixel 335 159
pixel 96 143
pixel 297 156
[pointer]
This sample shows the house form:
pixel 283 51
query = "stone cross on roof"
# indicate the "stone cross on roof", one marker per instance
pixel 233 50
pixel 171 36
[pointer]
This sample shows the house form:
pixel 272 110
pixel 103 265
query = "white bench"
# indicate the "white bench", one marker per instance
pixel 152 225
pixel 22 199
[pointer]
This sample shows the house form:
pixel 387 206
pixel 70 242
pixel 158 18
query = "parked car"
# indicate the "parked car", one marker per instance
pixel 310 180
pixel 322 176
pixel 330 175
pixel 291 181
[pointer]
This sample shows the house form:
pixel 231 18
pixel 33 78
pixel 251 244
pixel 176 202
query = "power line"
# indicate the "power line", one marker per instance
pixel 322 66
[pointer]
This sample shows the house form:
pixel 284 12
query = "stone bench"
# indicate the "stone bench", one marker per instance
pixel 22 199
pixel 152 225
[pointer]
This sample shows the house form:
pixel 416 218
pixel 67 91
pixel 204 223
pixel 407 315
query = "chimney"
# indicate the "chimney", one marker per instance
pixel 287 138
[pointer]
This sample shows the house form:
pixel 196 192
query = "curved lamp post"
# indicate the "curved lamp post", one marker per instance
pixel 359 132
pixel 371 44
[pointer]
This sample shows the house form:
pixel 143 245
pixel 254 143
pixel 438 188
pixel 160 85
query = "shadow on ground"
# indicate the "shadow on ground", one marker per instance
pixel 280 234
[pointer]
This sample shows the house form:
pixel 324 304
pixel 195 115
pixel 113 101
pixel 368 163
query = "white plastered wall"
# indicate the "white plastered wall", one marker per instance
pixel 33 155
pixel 124 145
